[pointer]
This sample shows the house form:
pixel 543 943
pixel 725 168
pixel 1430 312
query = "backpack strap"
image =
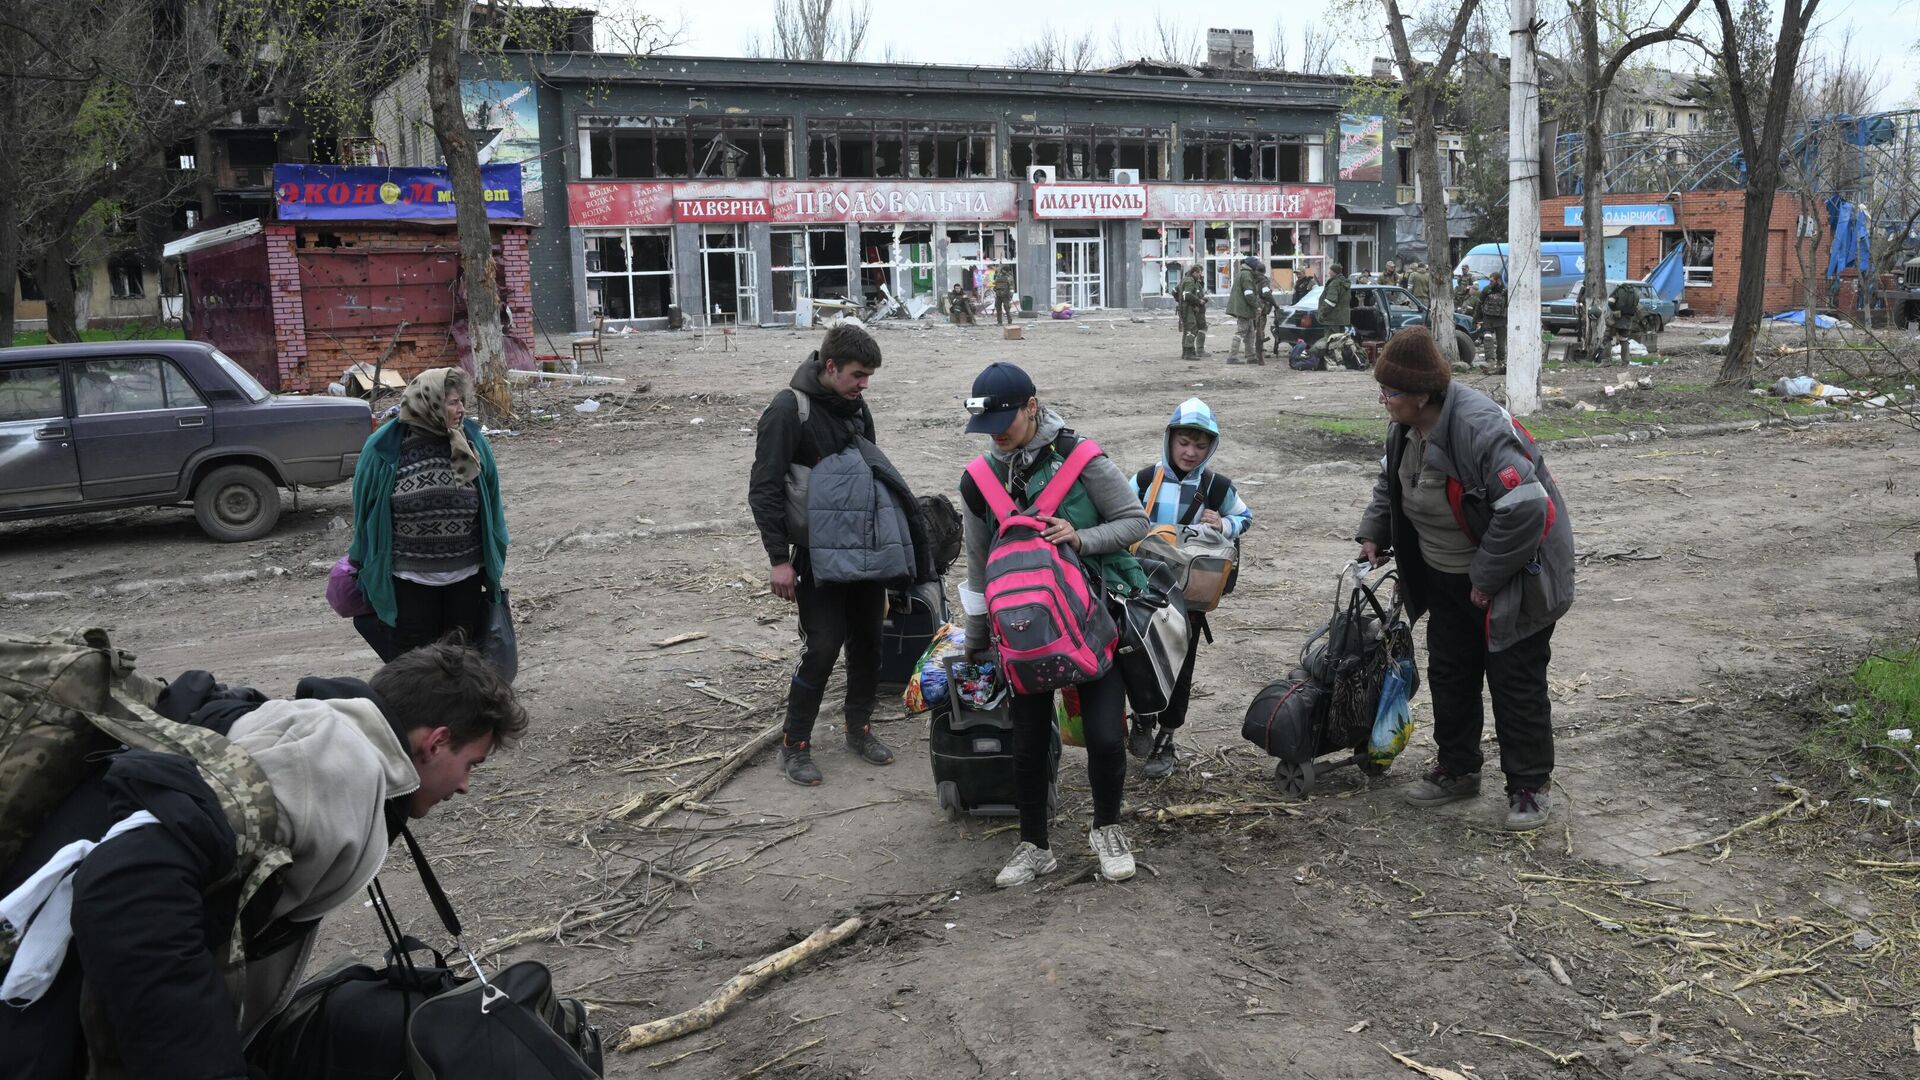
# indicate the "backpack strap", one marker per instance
pixel 1152 495
pixel 998 501
pixel 801 404
pixel 1055 493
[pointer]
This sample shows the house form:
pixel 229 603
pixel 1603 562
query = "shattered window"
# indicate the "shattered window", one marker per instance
pixel 673 147
pixel 905 149
pixel 1257 157
pixel 1090 151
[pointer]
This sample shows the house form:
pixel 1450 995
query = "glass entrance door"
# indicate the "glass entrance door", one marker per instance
pixel 1078 278
pixel 729 266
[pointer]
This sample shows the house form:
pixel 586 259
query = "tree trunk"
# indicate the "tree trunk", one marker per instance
pixel 54 270
pixel 9 257
pixel 1433 209
pixel 1593 162
pixel 1524 347
pixel 448 22
pixel 1762 183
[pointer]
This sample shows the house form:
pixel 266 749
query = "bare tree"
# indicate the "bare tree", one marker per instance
pixel 1056 51
pixel 809 30
pixel 1760 140
pixel 1631 32
pixel 1424 88
pixel 1316 50
pixel 1174 41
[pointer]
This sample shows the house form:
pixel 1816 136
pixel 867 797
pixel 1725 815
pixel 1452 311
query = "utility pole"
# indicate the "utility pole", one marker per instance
pixel 1523 216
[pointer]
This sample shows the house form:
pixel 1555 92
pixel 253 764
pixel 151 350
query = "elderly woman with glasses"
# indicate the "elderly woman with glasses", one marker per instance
pixel 1464 502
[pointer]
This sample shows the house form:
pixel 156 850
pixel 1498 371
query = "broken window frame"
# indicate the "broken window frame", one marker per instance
pixel 1174 240
pixel 812 275
pixel 683 147
pixel 126 277
pixel 598 276
pixel 920 149
pixel 993 248
pixel 1090 151
pixel 893 262
pixel 1225 156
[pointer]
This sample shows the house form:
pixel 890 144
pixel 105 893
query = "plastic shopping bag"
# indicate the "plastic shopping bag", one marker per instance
pixel 1393 720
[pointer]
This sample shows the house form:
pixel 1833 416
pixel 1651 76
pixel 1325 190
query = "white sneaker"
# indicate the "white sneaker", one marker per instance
pixel 1028 862
pixel 1110 845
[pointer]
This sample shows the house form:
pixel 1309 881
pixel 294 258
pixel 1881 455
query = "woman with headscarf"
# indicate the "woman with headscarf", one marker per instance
pixel 429 532
pixel 1100 518
pixel 1465 504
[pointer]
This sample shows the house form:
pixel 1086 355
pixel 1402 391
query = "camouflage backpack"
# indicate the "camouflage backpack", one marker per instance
pixel 64 702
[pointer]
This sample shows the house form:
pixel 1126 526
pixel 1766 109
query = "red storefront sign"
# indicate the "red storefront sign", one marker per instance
pixel 722 210
pixel 1240 202
pixel 1053 201
pixel 595 204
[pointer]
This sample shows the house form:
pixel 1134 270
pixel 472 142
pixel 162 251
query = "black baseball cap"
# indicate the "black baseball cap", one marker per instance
pixel 998 394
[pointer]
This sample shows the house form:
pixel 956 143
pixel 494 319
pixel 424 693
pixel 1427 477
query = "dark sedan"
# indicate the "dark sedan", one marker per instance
pixel 1379 311
pixel 1563 316
pixel 111 425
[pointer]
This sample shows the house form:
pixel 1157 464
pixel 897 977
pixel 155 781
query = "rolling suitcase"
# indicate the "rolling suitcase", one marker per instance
pixel 972 753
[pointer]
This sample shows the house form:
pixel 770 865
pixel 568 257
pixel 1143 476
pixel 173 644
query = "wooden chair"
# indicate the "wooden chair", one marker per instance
pixel 591 343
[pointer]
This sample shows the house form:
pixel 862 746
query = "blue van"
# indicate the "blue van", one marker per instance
pixel 1562 264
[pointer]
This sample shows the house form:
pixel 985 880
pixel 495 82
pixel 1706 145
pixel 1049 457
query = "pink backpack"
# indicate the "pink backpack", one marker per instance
pixel 1051 623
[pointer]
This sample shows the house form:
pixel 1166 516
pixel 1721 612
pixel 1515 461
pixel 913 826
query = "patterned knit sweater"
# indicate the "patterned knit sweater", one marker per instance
pixel 436 518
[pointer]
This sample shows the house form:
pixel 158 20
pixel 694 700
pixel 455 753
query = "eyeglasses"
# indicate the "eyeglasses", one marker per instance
pixel 1388 395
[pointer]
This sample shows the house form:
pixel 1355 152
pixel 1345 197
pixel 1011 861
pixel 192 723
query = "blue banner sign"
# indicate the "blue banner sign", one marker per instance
pixel 1625 215
pixel 379 193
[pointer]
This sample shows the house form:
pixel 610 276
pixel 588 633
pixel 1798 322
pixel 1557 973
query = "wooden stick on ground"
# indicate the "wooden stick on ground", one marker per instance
pixel 711 783
pixel 1800 798
pixel 750 978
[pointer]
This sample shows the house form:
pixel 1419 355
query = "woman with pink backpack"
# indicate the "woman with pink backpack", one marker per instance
pixel 1049 521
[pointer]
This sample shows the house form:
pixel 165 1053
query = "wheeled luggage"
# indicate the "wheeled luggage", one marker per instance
pixel 1331 704
pixel 972 750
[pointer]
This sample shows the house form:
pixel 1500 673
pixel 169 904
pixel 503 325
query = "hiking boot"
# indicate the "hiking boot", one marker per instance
pixel 1527 809
pixel 1258 361
pixel 1140 738
pixel 1110 846
pixel 1160 762
pixel 1234 360
pixel 796 760
pixel 1028 862
pixel 869 747
pixel 1440 786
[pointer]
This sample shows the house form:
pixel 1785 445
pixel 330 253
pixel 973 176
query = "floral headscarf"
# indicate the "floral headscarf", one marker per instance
pixel 424 405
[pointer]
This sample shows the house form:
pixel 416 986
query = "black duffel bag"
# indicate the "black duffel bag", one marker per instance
pixel 1287 717
pixel 409 1019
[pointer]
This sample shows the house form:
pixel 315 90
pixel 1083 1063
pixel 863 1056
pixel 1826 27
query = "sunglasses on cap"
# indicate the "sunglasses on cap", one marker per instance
pixel 980 406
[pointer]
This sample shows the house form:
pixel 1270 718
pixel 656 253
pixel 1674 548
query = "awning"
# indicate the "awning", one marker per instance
pixel 226 234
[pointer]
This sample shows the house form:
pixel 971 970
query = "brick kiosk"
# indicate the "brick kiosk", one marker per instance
pixel 298 302
pixel 1711 219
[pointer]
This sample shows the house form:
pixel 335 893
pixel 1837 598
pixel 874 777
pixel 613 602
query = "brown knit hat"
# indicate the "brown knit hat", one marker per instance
pixel 1412 364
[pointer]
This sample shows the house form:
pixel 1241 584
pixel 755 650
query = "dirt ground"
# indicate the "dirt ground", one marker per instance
pixel 1720 578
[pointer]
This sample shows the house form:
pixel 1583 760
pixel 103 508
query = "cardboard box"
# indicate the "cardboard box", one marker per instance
pixel 1011 333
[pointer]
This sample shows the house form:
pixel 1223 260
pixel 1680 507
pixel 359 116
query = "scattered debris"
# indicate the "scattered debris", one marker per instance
pixel 680 639
pixel 750 978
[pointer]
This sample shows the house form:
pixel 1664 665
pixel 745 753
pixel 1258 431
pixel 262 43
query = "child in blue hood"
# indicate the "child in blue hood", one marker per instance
pixel 1189 493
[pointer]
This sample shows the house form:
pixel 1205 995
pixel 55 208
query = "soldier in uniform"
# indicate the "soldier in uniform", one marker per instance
pixel 1420 284
pixel 1388 277
pixel 1464 293
pixel 1623 321
pixel 1491 313
pixel 1243 303
pixel 1003 295
pixel 1191 300
pixel 1262 314
pixel 959 306
pixel 1335 314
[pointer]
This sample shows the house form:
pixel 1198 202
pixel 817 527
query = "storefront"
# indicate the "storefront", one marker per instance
pixel 1086 224
pixel 1283 222
pixel 761 251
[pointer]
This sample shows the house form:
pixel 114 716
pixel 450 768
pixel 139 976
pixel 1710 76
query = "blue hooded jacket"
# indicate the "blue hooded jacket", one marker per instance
pixel 1173 504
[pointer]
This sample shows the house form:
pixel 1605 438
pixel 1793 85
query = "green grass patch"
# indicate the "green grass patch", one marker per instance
pixel 1882 695
pixel 131 332
pixel 1359 428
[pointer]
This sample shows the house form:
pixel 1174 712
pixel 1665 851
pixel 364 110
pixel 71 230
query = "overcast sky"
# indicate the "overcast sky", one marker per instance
pixel 983 31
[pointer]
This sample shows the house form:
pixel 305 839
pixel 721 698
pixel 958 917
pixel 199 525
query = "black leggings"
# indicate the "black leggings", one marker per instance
pixel 1103 711
pixel 424 613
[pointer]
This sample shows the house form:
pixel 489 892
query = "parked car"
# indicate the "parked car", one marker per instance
pixel 1562 262
pixel 111 425
pixel 1563 315
pixel 1379 311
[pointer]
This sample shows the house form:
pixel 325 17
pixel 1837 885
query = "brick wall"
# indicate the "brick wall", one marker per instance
pixel 516 274
pixel 1720 213
pixel 289 318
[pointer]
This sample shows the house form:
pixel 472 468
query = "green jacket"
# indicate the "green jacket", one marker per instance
pixel 1336 302
pixel 1120 570
pixel 1244 301
pixel 372 550
pixel 1191 295
pixel 1421 287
